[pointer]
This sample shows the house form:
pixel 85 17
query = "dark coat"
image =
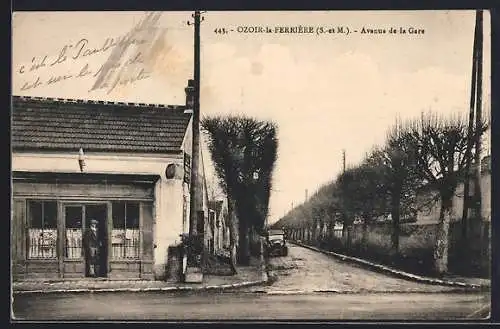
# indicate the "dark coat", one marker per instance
pixel 91 244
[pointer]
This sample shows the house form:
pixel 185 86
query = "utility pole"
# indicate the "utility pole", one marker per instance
pixel 345 216
pixel 306 194
pixel 472 199
pixel 479 117
pixel 469 173
pixel 343 161
pixel 195 188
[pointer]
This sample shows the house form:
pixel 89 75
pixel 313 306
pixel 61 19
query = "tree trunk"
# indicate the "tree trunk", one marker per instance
pixel 349 237
pixel 252 242
pixel 442 236
pixel 321 232
pixel 244 244
pixel 331 234
pixel 232 235
pixel 344 234
pixel 364 238
pixel 315 232
pixel 395 214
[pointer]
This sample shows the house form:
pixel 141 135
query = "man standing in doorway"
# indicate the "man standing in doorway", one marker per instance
pixel 92 245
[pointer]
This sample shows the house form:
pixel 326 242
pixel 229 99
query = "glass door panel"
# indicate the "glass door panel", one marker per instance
pixel 74 233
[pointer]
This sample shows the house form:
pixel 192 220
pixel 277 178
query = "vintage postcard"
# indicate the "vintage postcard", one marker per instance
pixel 284 165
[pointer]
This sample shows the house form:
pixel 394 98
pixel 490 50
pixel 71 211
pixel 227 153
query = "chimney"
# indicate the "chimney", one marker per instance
pixel 189 96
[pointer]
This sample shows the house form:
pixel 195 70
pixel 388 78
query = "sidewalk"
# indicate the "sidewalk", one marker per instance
pixel 246 276
pixel 453 281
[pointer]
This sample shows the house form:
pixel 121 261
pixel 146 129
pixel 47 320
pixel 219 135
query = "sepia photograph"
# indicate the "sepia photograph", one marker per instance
pixel 251 165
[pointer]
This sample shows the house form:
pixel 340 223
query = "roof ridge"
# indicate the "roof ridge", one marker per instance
pixel 95 102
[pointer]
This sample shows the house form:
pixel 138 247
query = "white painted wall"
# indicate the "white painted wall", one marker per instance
pixel 431 215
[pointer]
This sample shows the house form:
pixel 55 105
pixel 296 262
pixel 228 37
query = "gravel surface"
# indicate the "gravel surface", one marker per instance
pixel 305 270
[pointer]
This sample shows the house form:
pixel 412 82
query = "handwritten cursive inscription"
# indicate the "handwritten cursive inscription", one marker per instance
pixel 118 74
pixel 32 84
pixel 35 65
pixel 59 78
pixel 124 66
pixel 108 76
pixel 84 50
pixel 62 57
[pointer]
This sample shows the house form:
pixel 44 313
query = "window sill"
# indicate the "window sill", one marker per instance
pixel 41 259
pixel 124 260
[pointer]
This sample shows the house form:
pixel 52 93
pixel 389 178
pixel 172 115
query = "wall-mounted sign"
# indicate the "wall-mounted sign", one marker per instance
pixel 170 171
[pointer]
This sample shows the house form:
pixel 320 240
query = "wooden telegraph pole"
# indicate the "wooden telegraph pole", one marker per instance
pixel 479 117
pixel 472 199
pixel 343 161
pixel 193 272
pixel 195 188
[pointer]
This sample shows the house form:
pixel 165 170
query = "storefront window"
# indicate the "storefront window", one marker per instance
pixel 42 230
pixel 73 220
pixel 125 234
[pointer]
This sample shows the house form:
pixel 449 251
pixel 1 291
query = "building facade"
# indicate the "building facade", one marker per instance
pixel 218 241
pixel 123 165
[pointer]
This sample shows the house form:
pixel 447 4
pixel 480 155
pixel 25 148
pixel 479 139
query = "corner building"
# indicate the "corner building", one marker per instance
pixel 129 177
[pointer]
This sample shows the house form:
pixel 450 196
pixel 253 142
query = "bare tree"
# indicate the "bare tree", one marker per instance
pixel 364 194
pixel 347 204
pixel 439 146
pixel 399 176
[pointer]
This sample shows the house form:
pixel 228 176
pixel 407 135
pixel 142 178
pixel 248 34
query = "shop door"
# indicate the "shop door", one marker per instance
pixel 78 218
pixel 98 213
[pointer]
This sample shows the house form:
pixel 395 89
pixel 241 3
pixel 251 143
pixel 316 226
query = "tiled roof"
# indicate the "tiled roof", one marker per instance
pixel 61 124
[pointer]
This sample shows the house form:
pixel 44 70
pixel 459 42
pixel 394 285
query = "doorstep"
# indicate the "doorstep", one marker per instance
pixel 79 279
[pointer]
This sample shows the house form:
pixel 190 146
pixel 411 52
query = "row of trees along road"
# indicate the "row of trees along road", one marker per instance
pixel 423 154
pixel 244 152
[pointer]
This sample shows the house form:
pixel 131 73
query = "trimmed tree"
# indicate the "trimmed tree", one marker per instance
pixel 399 175
pixel 439 146
pixel 244 151
pixel 365 194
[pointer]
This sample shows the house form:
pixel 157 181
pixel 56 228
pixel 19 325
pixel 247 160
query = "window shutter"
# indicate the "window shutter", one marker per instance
pixel 147 238
pixel 18 227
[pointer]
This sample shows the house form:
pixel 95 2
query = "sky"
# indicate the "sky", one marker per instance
pixel 325 92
